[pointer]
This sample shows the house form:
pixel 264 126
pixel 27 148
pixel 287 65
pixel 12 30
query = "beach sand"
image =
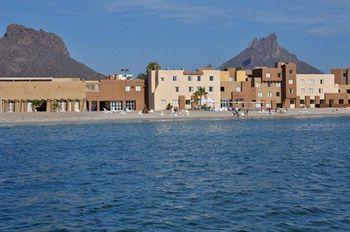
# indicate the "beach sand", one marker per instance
pixel 98 117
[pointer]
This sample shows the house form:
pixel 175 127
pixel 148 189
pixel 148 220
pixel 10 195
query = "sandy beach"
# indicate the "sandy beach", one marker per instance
pixel 96 117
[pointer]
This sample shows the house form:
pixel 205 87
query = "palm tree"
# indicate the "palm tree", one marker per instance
pixel 142 76
pixel 199 94
pixel 153 66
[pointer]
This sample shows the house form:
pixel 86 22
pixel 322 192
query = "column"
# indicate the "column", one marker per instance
pixel 307 101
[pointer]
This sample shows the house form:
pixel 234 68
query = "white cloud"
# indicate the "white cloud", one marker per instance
pixel 320 17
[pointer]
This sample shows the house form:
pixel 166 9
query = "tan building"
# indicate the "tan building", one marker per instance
pixel 262 87
pixel 115 95
pixel 28 94
pixel 177 87
pixel 311 88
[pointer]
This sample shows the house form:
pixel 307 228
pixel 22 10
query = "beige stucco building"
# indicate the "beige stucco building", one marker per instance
pixel 311 88
pixel 177 87
pixel 18 94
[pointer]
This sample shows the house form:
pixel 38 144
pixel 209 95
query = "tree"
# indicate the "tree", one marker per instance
pixel 142 76
pixel 36 104
pixel 169 106
pixel 199 94
pixel 153 66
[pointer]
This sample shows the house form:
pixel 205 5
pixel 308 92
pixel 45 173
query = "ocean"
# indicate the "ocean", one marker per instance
pixel 223 175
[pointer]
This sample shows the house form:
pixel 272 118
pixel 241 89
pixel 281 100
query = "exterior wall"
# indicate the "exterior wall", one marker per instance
pixel 288 84
pixel 336 100
pixel 115 90
pixel 162 87
pixel 22 91
pixel 314 86
pixel 341 76
pixel 241 75
pixel 268 94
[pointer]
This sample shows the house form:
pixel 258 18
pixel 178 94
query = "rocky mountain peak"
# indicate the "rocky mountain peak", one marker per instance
pixel 266 52
pixel 28 52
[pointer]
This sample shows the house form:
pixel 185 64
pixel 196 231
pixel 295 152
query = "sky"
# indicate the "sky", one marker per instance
pixel 108 35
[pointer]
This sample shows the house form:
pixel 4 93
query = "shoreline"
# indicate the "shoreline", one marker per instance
pixel 43 118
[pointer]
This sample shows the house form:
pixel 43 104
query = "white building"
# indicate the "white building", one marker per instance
pixel 177 87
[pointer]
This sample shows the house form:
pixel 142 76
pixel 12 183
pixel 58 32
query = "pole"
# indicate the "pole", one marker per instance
pixel 0 106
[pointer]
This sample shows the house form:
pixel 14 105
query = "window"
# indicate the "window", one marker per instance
pixel 175 102
pixel 225 103
pixel 290 71
pixel 76 106
pixel 116 105
pixel 211 89
pixel 29 106
pixel 211 78
pixel 279 74
pixel 269 94
pixel 320 90
pixel 311 90
pixel 222 89
pixel 290 82
pixel 131 105
pixel 302 90
pixel 174 78
pixel 199 78
pixel 302 81
pixel 311 81
pixel 176 89
pixel 257 85
pixel 163 102
pixel 189 78
pixel 162 78
pixel 260 94
pixel 138 88
pixel 92 87
pixel 321 81
pixel 312 101
pixel 238 89
pixel 190 89
pixel 268 75
pixel 277 94
pixel 268 84
pixel 291 91
pixel 231 79
pixel 127 88
pixel 11 106
pixel 188 102
pixel 278 84
pixel 341 101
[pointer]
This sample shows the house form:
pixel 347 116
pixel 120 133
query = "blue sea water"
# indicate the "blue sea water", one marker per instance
pixel 225 175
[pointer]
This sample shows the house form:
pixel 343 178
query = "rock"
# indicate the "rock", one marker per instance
pixel 266 52
pixel 27 52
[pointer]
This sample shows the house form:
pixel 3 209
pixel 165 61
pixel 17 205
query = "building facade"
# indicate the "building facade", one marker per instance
pixel 262 87
pixel 311 88
pixel 177 87
pixel 28 94
pixel 115 95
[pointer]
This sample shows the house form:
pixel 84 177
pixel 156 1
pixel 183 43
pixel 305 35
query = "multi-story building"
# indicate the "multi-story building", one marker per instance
pixel 311 88
pixel 115 94
pixel 28 94
pixel 178 87
pixel 341 75
pixel 261 87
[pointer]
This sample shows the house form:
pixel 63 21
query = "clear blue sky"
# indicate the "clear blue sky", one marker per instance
pixel 110 34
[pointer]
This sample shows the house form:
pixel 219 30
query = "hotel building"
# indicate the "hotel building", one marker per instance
pixel 116 95
pixel 20 94
pixel 177 87
pixel 312 89
pixel 261 87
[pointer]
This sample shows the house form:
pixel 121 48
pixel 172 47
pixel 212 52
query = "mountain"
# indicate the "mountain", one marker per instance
pixel 27 52
pixel 266 52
